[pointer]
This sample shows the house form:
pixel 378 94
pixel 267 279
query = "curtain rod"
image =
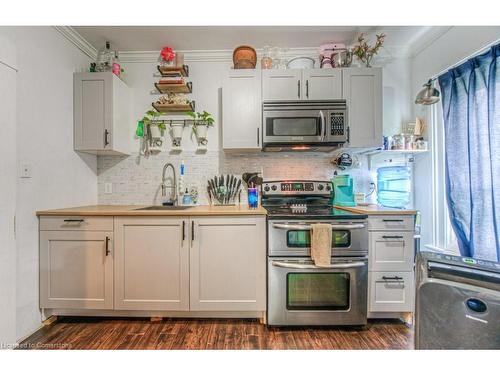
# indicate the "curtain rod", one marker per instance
pixel 477 53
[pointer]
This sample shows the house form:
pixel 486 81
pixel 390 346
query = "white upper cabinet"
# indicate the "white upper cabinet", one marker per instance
pixel 102 114
pixel 321 84
pixel 362 89
pixel 282 84
pixel 242 110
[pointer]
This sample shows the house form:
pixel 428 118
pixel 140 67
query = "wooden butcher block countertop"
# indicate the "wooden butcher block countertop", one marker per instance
pixel 374 209
pixel 135 210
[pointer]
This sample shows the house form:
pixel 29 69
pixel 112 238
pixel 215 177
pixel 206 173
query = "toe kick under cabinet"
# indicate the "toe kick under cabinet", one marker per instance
pixel 391 265
pixel 159 265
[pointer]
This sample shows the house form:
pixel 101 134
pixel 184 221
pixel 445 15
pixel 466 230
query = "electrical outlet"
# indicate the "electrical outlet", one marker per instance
pixel 108 188
pixel 25 170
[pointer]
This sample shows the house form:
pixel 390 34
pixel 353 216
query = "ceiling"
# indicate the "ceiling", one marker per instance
pixel 153 38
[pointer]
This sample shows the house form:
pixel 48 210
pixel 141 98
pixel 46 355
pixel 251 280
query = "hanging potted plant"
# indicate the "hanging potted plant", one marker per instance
pixel 151 119
pixel 365 52
pixel 201 122
pixel 176 128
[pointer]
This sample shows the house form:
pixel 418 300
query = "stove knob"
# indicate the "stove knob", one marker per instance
pixel 274 187
pixel 320 187
pixel 328 187
pixel 266 188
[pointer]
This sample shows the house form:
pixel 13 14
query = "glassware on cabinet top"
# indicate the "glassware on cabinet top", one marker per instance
pixel 266 62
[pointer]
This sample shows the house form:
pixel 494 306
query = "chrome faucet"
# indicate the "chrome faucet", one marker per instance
pixel 164 187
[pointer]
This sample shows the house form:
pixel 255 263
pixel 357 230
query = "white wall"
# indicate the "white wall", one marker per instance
pixel 60 177
pixel 8 193
pixel 453 46
pixel 136 180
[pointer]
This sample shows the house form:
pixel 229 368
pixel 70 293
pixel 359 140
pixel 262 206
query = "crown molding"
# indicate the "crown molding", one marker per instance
pixel 79 41
pixel 205 55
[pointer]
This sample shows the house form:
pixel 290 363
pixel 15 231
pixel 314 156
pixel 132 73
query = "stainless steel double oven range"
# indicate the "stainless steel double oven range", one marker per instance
pixel 300 293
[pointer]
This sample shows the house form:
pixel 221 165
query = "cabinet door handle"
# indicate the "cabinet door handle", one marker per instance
pixel 348 134
pixel 192 230
pixel 393 237
pixel 298 88
pixel 106 133
pixel 392 278
pixel 392 220
pixel 74 220
pixel 307 88
pixel 107 246
pixel 183 230
pixel 258 137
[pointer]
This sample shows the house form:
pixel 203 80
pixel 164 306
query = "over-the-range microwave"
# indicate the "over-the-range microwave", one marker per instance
pixel 310 125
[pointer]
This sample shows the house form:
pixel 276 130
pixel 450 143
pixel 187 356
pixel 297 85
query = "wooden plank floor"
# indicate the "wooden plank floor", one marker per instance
pixel 112 333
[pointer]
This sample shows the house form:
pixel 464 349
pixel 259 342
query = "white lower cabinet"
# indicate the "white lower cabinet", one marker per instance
pixel 151 263
pixel 228 264
pixel 392 251
pixel 76 269
pixel 391 292
pixel 391 264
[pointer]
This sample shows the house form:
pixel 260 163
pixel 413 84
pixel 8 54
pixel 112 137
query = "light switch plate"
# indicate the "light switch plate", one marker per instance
pixel 25 170
pixel 108 188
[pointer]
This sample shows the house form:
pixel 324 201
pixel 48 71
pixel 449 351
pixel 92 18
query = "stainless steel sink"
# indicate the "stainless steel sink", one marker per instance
pixel 159 208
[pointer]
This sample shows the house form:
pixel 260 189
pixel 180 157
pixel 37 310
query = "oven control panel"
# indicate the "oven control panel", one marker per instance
pixel 296 187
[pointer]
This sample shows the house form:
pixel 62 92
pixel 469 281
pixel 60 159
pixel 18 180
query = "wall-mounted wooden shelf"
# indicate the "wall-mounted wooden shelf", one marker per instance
pixel 184 88
pixel 174 107
pixel 174 71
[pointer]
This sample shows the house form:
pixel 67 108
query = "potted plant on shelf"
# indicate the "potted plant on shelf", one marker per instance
pixel 364 52
pixel 201 122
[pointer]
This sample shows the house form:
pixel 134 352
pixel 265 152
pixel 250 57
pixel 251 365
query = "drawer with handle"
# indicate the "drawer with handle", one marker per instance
pixel 390 291
pixel 389 222
pixel 391 251
pixel 99 223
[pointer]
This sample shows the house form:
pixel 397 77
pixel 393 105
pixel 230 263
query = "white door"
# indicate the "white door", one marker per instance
pixel 282 84
pixel 76 269
pixel 321 84
pixel 151 263
pixel 7 204
pixel 362 89
pixel 228 264
pixel 242 110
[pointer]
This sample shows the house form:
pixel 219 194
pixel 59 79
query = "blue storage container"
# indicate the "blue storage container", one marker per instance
pixel 394 186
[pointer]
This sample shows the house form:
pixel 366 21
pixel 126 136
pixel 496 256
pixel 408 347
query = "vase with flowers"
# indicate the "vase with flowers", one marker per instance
pixel 364 52
pixel 167 57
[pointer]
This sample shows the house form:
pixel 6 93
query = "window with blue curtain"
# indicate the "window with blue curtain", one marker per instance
pixel 471 112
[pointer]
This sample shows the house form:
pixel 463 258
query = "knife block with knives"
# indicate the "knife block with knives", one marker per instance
pixel 224 190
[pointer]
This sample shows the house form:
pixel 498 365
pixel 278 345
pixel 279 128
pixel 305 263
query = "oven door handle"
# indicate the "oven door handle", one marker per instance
pixel 313 267
pixel 308 227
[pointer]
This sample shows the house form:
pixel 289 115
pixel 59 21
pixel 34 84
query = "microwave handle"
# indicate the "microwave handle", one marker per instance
pixel 313 267
pixel 322 130
pixel 308 227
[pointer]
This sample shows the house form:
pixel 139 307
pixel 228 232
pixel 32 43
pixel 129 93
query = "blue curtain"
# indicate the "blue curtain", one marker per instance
pixel 471 110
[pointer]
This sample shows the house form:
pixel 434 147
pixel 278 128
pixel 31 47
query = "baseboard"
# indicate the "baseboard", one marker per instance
pixel 157 314
pixel 20 340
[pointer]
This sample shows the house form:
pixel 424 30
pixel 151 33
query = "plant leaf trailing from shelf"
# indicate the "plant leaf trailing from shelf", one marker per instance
pixel 200 119
pixel 151 118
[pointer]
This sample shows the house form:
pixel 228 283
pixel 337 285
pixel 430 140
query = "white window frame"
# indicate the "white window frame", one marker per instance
pixel 443 236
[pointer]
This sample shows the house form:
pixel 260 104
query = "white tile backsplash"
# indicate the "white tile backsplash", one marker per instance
pixel 136 180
